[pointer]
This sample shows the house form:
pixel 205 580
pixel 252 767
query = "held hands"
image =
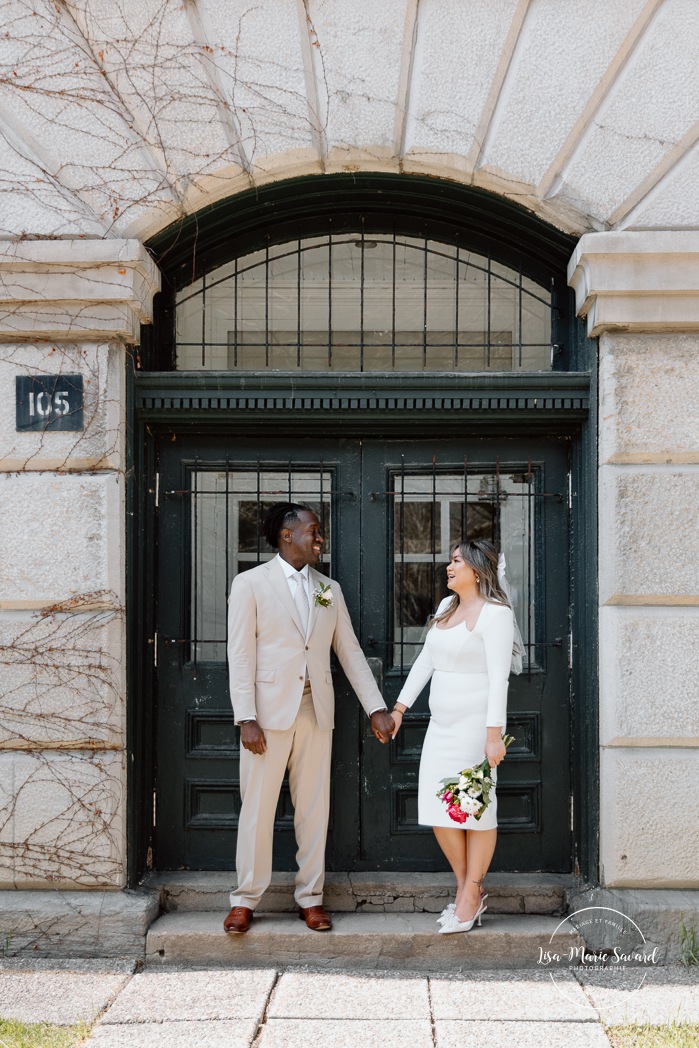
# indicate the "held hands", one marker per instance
pixel 253 737
pixel 382 725
pixel 397 714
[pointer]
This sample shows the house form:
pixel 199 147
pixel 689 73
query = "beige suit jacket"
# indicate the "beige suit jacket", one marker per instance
pixel 268 652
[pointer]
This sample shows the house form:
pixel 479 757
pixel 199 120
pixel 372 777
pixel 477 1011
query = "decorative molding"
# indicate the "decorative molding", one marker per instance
pixel 64 606
pixel 637 281
pixel 58 290
pixel 30 746
pixel 66 464
pixel 688 742
pixel 655 600
pixel 541 393
pixel 350 403
pixel 653 458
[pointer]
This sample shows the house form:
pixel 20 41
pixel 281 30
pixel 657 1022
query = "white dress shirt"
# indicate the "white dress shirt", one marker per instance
pixel 291 572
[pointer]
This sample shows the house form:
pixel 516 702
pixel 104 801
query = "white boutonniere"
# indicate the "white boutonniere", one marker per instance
pixel 323 596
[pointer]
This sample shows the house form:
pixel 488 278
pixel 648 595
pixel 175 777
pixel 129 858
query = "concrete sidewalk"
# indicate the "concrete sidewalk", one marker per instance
pixel 304 1008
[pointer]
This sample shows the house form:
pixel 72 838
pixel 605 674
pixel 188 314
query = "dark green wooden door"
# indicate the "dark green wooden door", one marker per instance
pixel 515 493
pixel 390 508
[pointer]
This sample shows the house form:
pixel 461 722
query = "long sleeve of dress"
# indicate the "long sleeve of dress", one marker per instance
pixel 498 637
pixel 421 670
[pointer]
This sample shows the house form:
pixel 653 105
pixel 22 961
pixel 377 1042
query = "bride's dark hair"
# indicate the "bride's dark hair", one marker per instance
pixel 483 558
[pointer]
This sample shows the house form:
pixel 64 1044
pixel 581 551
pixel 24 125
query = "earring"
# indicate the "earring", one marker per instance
pixel 478 580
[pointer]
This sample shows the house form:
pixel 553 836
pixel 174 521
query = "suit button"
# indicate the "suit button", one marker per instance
pixel 300 678
pixel 306 647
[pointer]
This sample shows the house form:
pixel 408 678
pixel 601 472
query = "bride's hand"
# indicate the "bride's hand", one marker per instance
pixel 495 748
pixel 397 720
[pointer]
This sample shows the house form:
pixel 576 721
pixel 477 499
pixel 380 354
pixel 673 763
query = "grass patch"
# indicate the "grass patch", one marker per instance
pixel 672 1035
pixel 14 1034
pixel 690 946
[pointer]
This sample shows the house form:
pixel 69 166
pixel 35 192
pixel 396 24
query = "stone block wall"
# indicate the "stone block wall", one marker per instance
pixel 649 609
pixel 62 566
pixel 639 292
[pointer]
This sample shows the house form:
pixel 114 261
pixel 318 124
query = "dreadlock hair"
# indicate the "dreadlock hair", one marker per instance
pixel 279 516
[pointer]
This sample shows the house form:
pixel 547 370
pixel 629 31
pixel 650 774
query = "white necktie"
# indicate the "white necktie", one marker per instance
pixel 301 599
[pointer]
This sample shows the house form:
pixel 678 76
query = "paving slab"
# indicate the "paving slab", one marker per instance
pixel 309 995
pixel 511 996
pixel 347 1033
pixel 61 997
pixel 229 1033
pixel 104 965
pixel 194 995
pixel 466 1034
pixel 666 995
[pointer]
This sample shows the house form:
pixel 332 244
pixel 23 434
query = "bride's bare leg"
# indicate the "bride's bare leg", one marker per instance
pixel 454 844
pixel 481 845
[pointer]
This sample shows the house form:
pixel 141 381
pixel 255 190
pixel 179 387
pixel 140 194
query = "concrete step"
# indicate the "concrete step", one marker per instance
pixel 373 941
pixel 530 893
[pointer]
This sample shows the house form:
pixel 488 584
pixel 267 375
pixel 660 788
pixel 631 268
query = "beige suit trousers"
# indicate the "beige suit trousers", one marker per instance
pixel 305 750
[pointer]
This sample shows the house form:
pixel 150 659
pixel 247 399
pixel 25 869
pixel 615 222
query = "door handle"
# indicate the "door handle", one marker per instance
pixel 376 667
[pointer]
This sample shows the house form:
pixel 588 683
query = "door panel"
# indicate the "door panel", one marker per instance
pixel 211 505
pixel 414 495
pixel 390 510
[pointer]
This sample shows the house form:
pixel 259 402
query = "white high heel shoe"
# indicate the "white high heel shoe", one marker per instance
pixel 453 924
pixel 446 913
pixel 448 910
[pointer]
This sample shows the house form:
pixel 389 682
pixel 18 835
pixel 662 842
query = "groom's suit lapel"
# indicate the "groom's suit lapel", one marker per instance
pixel 279 584
pixel 314 579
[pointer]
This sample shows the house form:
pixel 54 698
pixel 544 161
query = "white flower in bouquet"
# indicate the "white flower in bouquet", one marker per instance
pixel 471 805
pixel 467 793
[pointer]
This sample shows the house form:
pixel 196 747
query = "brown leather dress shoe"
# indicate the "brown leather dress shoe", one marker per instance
pixel 238 920
pixel 317 919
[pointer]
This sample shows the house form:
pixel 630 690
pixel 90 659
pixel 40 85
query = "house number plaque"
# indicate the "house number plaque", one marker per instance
pixel 49 402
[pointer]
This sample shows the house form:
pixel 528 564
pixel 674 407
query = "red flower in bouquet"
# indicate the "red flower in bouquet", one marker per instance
pixel 468 793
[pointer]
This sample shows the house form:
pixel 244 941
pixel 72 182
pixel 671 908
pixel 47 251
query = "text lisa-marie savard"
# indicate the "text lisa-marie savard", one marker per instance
pixel 584 956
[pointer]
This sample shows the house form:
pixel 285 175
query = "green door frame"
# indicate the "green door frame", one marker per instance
pixel 562 401
pixel 555 403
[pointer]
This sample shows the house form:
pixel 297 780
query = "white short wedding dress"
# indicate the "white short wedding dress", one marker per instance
pixel 470 671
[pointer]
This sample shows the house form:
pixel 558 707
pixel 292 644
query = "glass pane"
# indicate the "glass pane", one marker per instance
pixel 428 520
pixel 373 303
pixel 227 510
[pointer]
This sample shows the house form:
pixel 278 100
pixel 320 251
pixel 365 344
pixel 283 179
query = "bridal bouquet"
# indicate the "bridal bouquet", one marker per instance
pixel 468 793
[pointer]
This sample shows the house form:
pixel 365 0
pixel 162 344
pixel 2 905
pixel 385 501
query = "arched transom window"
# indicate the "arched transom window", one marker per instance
pixel 364 302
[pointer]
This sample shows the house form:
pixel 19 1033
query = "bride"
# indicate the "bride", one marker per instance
pixel 468 653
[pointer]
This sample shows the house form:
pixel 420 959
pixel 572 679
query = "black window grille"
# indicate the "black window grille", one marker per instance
pixel 429 510
pixel 363 302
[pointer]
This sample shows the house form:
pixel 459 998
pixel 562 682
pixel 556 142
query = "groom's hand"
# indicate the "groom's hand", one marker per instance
pixel 253 737
pixel 382 725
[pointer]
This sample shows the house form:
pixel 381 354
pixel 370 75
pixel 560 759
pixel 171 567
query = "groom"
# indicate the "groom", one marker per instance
pixel 283 619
